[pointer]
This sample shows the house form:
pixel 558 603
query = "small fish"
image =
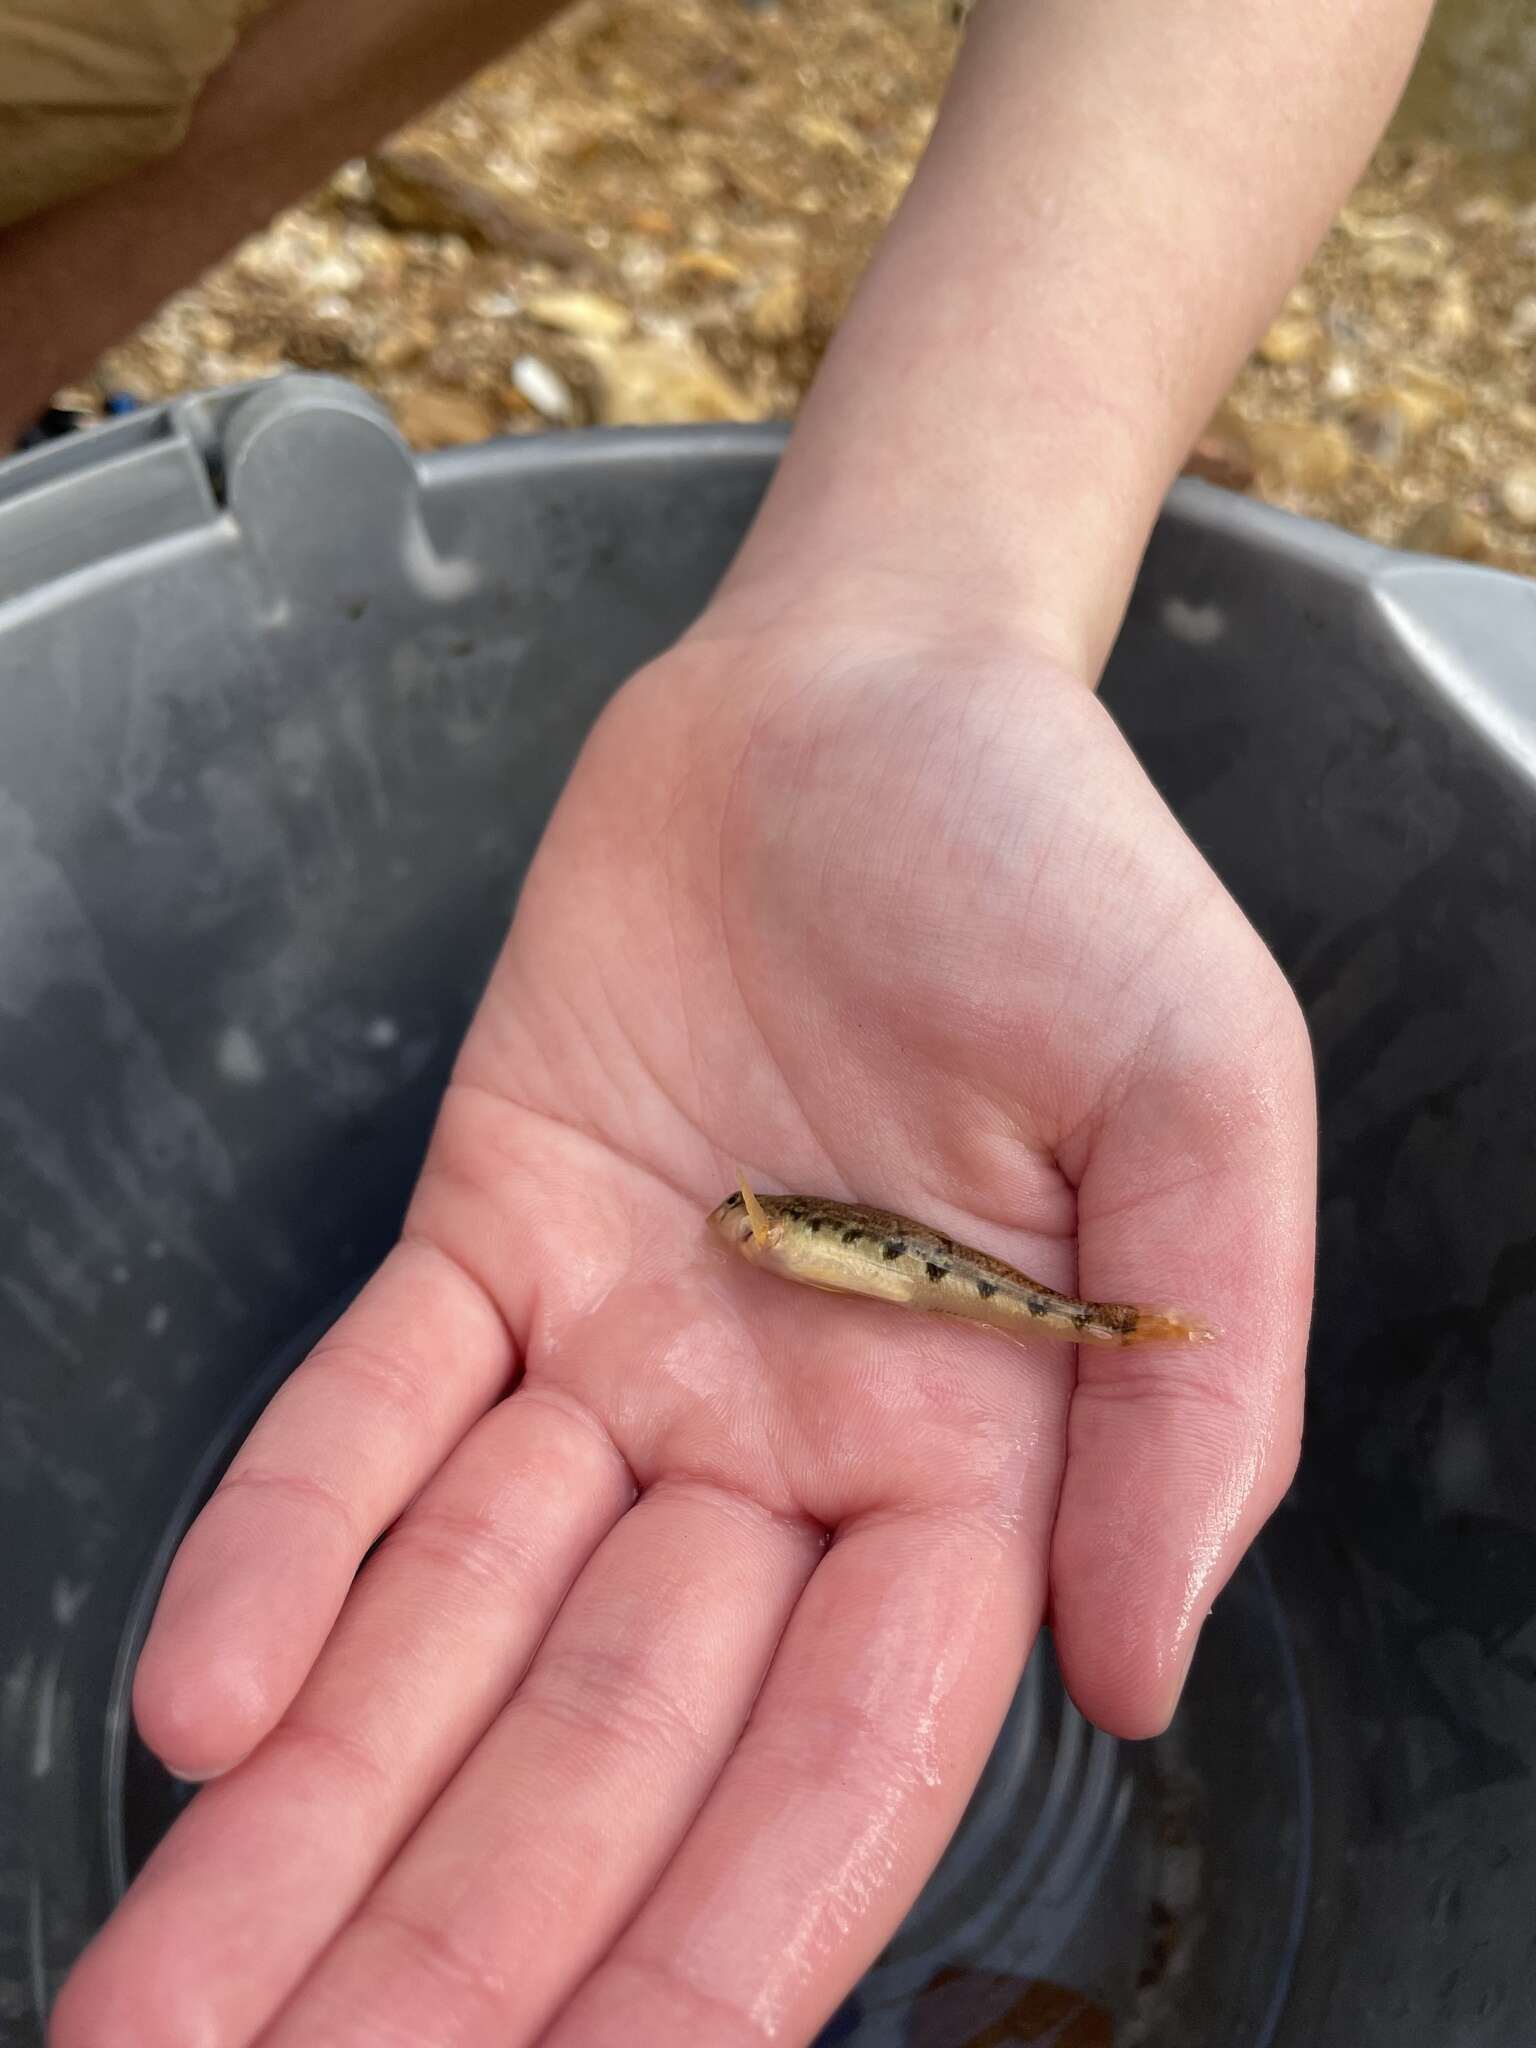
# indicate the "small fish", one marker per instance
pixel 844 1248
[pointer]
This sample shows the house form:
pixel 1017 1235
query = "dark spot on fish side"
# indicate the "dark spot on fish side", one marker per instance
pixel 816 1223
pixel 1037 1307
pixel 935 1271
pixel 852 1236
pixel 894 1247
pixel 986 1289
pixel 1081 1318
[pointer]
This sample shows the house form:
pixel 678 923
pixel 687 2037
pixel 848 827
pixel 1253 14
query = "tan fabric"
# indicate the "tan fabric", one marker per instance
pixel 90 89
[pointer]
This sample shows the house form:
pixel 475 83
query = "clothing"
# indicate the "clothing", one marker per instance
pixel 90 89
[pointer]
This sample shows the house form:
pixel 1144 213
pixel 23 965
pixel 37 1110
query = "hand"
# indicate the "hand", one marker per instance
pixel 662 1695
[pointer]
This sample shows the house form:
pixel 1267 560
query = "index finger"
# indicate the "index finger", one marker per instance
pixel 343 1447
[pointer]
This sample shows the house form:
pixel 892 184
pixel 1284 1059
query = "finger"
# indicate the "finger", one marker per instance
pixel 877 1716
pixel 345 1443
pixel 545 1843
pixel 1199 1193
pixel 265 1865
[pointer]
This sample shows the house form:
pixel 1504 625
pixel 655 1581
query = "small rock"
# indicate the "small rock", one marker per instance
pixel 1401 228
pixel 658 380
pixel 651 220
pixel 405 342
pixel 1450 530
pixel 493 305
pixel 335 272
pixel 1387 419
pixel 415 191
pixel 1405 260
pixel 778 312
pixel 586 314
pixel 1522 320
pixel 1453 317
pixel 322 344
pixel 1381 427
pixel 1222 454
pixel 545 389
pixel 694 267
pixel 1517 494
pixel 1486 210
pixel 828 132
pixel 351 183
pixel 442 419
pixel 1304 455
pixel 1342 379
pixel 1436 396
pixel 1295 338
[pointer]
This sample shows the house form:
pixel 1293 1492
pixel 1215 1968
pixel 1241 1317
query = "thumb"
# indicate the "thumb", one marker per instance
pixel 1198 1190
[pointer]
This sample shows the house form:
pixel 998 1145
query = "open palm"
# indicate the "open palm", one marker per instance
pixel 673 1674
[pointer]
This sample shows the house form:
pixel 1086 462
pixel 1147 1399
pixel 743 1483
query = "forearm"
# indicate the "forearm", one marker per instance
pixel 1115 198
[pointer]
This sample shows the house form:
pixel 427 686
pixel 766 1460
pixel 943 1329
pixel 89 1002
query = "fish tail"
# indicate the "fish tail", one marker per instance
pixel 1169 1326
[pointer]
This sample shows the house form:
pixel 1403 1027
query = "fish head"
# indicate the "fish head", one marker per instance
pixel 731 1222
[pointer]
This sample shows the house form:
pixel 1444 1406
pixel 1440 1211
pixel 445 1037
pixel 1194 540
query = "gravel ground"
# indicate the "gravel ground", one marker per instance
pixel 657 210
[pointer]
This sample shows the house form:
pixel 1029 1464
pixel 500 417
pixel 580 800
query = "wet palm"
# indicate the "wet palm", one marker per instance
pixel 663 1694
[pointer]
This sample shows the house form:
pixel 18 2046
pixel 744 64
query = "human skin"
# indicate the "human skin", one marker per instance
pixel 311 83
pixel 657 1704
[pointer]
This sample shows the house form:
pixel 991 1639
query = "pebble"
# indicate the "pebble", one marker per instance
pixel 1453 317
pixel 1446 400
pixel 415 191
pixel 1381 426
pixel 693 267
pixel 1343 379
pixel 407 341
pixel 1293 339
pixel 1305 455
pixel 586 314
pixel 659 380
pixel 287 250
pixel 1517 494
pixel 323 344
pixel 545 389
pixel 442 419
pixel 778 311
pixel 1388 418
pixel 1406 260
pixel 1447 529
pixel 336 272
pixel 493 305
pixel 1222 455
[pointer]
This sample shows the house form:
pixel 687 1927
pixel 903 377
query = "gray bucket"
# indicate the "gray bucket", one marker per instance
pixel 282 713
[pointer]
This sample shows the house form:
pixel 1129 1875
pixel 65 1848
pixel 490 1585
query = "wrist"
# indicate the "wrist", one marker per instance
pixel 1024 527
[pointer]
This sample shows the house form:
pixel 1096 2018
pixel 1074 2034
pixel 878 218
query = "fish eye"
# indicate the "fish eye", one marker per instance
pixel 733 1202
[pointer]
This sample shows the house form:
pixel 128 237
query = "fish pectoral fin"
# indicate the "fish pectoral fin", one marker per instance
pixel 756 1215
